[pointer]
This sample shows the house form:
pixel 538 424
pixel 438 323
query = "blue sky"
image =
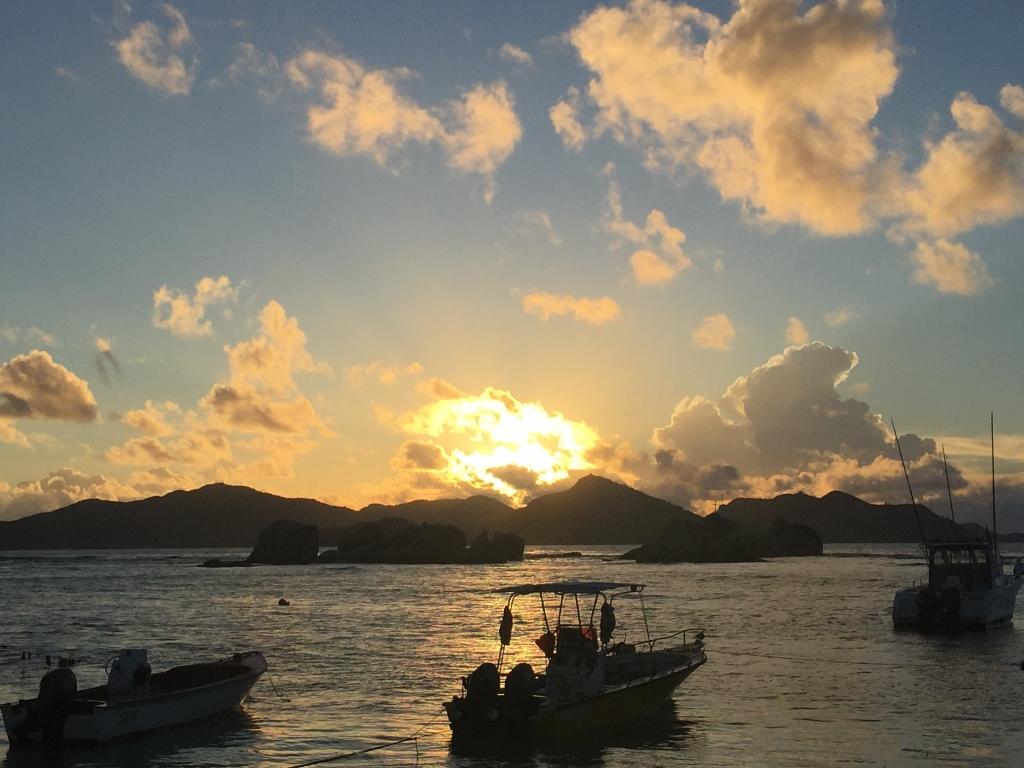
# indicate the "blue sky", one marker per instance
pixel 445 251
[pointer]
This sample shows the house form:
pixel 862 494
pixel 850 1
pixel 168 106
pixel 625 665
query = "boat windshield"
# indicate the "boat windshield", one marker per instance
pixel 970 566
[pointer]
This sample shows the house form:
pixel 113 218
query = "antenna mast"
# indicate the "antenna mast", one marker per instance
pixel 949 492
pixel 906 474
pixel 992 434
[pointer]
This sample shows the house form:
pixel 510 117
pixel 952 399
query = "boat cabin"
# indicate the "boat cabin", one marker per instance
pixel 973 564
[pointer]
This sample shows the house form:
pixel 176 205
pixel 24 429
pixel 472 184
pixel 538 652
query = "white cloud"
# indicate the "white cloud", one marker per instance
pixel 259 67
pixel 515 55
pixel 33 386
pixel 973 175
pixel 950 268
pixel 784 427
pixel 12 334
pixel 250 427
pixel 67 74
pixel 715 332
pixel 841 316
pixel 151 419
pixel 565 119
pixel 537 220
pixel 485 130
pixel 262 393
pixel 359 376
pixel 165 60
pixel 58 489
pixel 1012 99
pixel 796 332
pixel 183 316
pixel 662 256
pixel 593 311
pixel 774 104
pixel 363 111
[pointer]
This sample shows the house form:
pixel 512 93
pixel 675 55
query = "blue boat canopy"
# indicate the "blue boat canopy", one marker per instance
pixel 570 588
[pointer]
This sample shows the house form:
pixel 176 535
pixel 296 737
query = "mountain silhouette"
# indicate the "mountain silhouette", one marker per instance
pixel 216 515
pixel 595 510
pixel 841 518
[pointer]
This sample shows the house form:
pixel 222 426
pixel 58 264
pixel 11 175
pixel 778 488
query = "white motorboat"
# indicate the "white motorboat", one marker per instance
pixel 589 683
pixel 968 584
pixel 967 587
pixel 134 700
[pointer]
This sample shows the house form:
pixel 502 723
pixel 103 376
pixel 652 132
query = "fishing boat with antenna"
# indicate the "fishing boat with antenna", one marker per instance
pixel 590 680
pixel 968 584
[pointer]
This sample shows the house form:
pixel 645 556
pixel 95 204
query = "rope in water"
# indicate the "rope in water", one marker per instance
pixel 272 685
pixel 346 755
pixel 855 662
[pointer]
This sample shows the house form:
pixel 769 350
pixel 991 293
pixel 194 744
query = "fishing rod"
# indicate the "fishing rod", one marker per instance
pixel 992 436
pixel 913 501
pixel 949 492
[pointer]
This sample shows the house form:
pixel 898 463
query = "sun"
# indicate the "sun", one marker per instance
pixel 492 441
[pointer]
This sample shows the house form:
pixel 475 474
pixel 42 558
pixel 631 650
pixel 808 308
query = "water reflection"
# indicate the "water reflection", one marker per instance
pixel 235 731
pixel 664 730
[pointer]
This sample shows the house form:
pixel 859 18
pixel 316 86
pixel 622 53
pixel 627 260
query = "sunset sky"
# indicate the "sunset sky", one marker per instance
pixel 372 251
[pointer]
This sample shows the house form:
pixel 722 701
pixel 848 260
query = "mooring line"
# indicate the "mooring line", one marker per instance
pixel 854 662
pixel 346 755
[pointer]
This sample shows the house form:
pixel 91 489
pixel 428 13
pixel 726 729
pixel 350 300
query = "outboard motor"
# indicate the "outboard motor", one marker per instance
pixel 48 712
pixel 128 674
pixel 949 603
pixel 520 684
pixel 482 690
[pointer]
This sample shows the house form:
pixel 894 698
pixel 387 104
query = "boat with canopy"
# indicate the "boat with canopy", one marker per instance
pixel 590 680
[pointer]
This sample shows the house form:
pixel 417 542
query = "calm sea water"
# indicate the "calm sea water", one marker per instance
pixel 366 654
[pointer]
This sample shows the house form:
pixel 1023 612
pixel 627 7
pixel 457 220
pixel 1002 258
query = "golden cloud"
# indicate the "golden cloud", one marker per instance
pixel 592 311
pixel 714 332
pixel 796 332
pixel 950 268
pixel 775 104
pixel 157 57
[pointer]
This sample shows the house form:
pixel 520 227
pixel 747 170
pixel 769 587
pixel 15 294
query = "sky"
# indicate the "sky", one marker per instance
pixel 373 251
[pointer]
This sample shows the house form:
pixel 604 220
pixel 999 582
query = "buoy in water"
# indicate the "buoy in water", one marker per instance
pixel 282 601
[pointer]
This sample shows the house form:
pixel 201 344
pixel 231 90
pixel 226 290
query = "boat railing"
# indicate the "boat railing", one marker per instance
pixel 697 633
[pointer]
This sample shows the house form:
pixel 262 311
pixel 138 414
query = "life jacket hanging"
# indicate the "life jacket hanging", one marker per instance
pixel 505 630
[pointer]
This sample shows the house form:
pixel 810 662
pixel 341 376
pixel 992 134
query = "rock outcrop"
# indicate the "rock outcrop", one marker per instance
pixel 717 540
pixel 788 540
pixel 286 542
pixel 499 548
pixel 395 540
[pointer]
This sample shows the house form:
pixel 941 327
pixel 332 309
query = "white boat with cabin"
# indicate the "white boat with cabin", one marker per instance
pixel 133 701
pixel 968 584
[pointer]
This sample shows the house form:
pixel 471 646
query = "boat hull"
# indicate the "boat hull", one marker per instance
pixel 101 721
pixel 613 707
pixel 990 608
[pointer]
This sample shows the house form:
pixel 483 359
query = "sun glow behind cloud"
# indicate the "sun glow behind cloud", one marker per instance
pixel 492 441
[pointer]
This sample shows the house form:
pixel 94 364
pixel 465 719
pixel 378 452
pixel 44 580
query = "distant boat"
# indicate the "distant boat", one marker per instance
pixel 589 682
pixel 968 585
pixel 133 701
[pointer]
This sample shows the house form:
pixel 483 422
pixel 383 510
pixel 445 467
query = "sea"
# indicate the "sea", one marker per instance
pixel 804 668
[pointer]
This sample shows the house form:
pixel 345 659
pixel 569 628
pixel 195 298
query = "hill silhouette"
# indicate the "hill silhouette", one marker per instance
pixel 594 511
pixel 841 518
pixel 216 515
